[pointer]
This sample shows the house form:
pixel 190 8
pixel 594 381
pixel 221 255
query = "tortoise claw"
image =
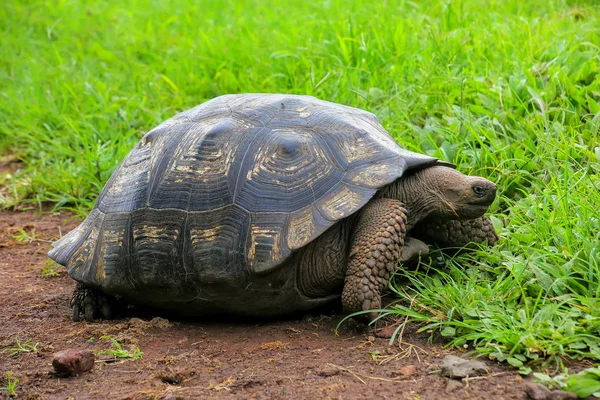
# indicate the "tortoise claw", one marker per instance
pixel 76 313
pixel 106 311
pixel 89 312
pixel 89 303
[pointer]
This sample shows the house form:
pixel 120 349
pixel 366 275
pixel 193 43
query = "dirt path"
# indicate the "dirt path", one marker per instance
pixel 293 359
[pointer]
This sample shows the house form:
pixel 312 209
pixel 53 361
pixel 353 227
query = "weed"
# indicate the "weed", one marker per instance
pixel 585 383
pixel 49 269
pixel 11 384
pixel 375 355
pixel 25 347
pixel 119 352
pixel 24 237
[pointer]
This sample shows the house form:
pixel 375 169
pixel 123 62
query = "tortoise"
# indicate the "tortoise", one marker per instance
pixel 265 204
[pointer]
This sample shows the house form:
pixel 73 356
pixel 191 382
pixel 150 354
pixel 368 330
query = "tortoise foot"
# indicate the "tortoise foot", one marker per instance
pixel 91 303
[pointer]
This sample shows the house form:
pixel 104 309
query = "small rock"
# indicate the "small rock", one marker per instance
pixel 171 377
pixel 541 392
pixel 536 392
pixel 23 380
pixel 406 371
pixel 452 385
pixel 72 362
pixel 326 371
pixel 458 368
pixel 387 332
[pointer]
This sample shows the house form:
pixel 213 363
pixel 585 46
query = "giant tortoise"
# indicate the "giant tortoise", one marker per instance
pixel 266 204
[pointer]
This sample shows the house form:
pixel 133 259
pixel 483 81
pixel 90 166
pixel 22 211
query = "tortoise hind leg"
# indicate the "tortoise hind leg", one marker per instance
pixel 92 303
pixel 374 254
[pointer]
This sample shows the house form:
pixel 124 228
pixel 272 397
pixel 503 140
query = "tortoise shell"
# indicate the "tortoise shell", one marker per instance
pixel 229 189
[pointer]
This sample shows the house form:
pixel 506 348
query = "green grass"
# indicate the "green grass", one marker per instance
pixel 119 352
pixel 22 347
pixel 50 269
pixel 584 384
pixel 505 89
pixel 11 385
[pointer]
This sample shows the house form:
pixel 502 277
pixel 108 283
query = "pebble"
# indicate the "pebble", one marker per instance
pixel 541 392
pixel 72 362
pixel 405 372
pixel 458 368
pixel 453 385
pixel 326 371
pixel 387 332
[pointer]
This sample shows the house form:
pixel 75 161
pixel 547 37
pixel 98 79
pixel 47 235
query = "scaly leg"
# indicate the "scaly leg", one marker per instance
pixel 374 254
pixel 412 251
pixel 92 302
pixel 457 233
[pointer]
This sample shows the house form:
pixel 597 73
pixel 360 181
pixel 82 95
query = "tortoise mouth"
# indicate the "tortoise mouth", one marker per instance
pixel 483 203
pixel 480 207
pixel 474 210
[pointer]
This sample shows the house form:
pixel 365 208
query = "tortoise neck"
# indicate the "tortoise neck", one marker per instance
pixel 417 194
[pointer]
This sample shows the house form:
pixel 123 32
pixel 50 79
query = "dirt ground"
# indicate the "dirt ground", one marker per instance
pixel 298 358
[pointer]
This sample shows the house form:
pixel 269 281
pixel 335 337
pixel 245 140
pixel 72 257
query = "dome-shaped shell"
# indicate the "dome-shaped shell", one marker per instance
pixel 236 183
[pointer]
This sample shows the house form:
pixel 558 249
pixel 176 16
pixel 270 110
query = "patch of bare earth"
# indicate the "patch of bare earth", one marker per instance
pixel 295 359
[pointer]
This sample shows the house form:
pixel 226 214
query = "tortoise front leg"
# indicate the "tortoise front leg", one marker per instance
pixel 412 251
pixel 374 254
pixel 457 233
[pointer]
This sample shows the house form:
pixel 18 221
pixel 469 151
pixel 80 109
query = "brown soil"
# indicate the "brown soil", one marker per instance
pixel 296 359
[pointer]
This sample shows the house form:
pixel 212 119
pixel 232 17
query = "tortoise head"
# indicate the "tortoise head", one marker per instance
pixel 454 195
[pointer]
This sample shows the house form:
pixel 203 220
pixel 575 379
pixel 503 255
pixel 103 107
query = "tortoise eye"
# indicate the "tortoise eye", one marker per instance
pixel 478 190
